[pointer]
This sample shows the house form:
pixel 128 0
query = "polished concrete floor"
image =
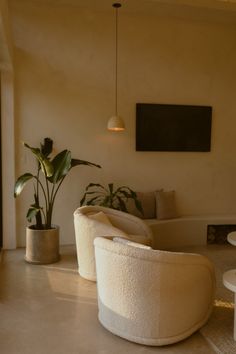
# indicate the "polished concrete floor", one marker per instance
pixel 52 310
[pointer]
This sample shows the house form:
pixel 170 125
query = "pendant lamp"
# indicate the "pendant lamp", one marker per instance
pixel 116 123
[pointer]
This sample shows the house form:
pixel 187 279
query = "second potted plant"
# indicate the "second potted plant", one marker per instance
pixel 110 197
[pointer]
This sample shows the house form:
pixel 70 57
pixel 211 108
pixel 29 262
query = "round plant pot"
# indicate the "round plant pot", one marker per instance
pixel 42 246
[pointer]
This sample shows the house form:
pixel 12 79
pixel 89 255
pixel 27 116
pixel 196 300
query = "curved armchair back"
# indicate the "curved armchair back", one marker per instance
pixel 152 297
pixel 87 229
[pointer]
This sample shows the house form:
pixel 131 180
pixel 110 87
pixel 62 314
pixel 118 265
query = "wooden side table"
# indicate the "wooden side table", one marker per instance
pixel 229 281
pixel 231 238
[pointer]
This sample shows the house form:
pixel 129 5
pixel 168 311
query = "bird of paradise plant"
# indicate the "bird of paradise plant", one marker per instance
pixel 49 177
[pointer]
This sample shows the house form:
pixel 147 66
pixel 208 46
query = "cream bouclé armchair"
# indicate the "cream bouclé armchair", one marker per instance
pixel 152 297
pixel 93 221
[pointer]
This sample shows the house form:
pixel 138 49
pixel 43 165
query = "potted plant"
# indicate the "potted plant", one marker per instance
pixel 42 238
pixel 97 194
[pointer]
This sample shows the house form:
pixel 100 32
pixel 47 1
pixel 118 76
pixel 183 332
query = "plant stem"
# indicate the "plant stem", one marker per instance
pixel 52 201
pixel 38 216
pixel 45 197
pixel 54 196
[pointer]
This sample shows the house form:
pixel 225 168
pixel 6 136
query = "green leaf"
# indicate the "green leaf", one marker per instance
pixel 61 166
pixel 138 205
pixel 85 196
pixel 122 205
pixel 107 202
pixel 32 212
pixel 46 165
pixel 82 200
pixel 125 194
pixel 76 162
pixel 130 194
pixel 21 182
pixel 133 194
pixel 92 192
pixel 91 185
pixel 92 201
pixel 125 188
pixel 99 191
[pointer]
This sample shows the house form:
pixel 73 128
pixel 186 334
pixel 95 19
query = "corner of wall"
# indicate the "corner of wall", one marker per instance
pixel 8 160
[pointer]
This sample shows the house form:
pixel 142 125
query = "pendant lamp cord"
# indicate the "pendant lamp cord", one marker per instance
pixel 116 69
pixel 116 5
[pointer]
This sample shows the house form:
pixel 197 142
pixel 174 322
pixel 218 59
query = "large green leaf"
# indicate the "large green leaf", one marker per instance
pixel 82 201
pixel 91 185
pixel 21 182
pixel 76 162
pixel 46 165
pixel 122 205
pixel 107 201
pixel 61 165
pixel 127 189
pixel 93 201
pixel 124 194
pixel 99 194
pixel 138 205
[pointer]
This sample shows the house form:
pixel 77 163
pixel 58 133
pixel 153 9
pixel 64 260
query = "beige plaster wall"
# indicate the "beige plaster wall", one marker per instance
pixel 6 49
pixel 64 61
pixel 7 129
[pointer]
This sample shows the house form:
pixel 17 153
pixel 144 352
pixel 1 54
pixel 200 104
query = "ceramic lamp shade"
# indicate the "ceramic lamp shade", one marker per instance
pixel 116 123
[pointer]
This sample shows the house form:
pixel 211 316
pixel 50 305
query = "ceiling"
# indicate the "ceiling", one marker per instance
pixel 227 5
pixel 210 10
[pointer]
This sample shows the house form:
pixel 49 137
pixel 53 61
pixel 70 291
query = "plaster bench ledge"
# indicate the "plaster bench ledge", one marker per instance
pixel 190 230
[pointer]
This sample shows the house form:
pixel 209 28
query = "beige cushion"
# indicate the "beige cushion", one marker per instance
pixel 148 202
pixel 165 205
pixel 127 242
pixel 100 216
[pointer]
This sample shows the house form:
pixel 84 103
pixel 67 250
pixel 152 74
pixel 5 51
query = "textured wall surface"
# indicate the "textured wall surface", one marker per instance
pixel 64 77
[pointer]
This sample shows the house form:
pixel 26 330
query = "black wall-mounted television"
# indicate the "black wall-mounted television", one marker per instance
pixel 170 127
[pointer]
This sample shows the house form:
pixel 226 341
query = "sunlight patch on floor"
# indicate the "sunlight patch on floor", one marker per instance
pixel 225 304
pixel 72 285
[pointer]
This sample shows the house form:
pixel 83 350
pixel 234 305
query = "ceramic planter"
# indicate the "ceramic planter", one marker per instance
pixel 42 246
